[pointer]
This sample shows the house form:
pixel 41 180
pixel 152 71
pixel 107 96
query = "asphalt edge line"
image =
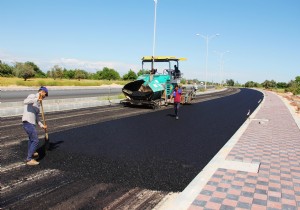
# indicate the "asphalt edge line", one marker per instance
pixel 188 195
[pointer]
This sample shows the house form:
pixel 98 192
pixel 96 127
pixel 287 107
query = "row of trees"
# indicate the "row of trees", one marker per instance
pixel 292 86
pixel 29 70
pixel 22 70
pixel 104 74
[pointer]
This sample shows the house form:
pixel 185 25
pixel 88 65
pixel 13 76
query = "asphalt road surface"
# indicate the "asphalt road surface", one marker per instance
pixel 150 153
pixel 154 150
pixel 20 95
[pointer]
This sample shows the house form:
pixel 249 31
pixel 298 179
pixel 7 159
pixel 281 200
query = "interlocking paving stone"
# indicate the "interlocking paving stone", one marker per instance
pixel 274 199
pixel 273 139
pixel 289 207
pixel 232 197
pixel 226 207
pixel 260 202
pixel 243 205
pixel 216 200
pixel 199 203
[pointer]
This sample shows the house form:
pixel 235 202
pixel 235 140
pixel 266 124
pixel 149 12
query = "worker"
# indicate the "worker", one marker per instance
pixel 195 87
pixel 176 68
pixel 176 72
pixel 177 98
pixel 30 118
pixel 153 71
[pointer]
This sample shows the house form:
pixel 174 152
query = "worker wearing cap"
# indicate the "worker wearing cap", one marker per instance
pixel 30 118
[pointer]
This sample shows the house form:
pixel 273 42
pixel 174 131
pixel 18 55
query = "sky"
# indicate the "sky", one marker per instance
pixel 262 36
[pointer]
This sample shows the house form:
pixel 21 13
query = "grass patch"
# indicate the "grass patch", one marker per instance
pixel 14 81
pixel 202 89
pixel 121 96
pixel 218 87
pixel 280 90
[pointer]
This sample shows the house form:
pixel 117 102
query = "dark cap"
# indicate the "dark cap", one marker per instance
pixel 44 89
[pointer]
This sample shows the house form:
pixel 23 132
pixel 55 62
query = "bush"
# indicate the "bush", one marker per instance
pixel 131 75
pixel 5 70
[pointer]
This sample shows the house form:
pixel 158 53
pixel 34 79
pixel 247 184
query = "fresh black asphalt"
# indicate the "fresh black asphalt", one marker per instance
pixel 153 150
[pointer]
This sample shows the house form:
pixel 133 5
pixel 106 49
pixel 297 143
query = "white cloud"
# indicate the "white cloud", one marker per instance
pixel 73 63
pixel 9 58
pixel 70 63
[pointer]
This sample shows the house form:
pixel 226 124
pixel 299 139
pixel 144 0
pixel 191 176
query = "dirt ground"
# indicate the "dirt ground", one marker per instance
pixel 294 101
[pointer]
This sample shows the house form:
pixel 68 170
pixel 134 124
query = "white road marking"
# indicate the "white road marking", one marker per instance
pixel 11 166
pixel 29 179
pixel 15 142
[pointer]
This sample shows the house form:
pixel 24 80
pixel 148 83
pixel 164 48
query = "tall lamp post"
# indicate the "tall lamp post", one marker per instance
pixel 207 38
pixel 221 64
pixel 154 33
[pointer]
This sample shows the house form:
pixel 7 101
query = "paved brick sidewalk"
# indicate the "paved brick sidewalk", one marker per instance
pixel 273 140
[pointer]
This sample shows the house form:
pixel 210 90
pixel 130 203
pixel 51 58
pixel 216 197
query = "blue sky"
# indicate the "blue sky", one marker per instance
pixel 263 36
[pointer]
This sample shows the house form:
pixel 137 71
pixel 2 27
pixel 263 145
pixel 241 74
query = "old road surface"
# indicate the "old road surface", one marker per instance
pixel 19 95
pixel 118 157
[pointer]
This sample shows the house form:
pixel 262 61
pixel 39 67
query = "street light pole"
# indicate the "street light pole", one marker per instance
pixel 221 64
pixel 207 38
pixel 154 33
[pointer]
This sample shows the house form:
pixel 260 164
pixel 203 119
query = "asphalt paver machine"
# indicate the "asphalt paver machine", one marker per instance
pixel 154 89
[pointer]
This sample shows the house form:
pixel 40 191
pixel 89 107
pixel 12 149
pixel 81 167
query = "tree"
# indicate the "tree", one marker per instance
pixel 131 75
pixel 237 84
pixel 282 85
pixel 109 74
pixel 251 84
pixel 297 80
pixel 294 86
pixel 49 74
pixel 23 70
pixel 52 74
pixel 195 81
pixel 269 84
pixel 183 81
pixel 69 74
pixel 94 76
pixel 5 70
pixel 80 74
pixel 230 82
pixel 142 71
pixel 56 72
pixel 38 72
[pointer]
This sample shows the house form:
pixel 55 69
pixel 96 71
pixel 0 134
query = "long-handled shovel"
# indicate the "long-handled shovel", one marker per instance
pixel 46 132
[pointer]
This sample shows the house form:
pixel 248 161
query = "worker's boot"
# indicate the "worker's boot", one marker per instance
pixel 35 155
pixel 32 162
